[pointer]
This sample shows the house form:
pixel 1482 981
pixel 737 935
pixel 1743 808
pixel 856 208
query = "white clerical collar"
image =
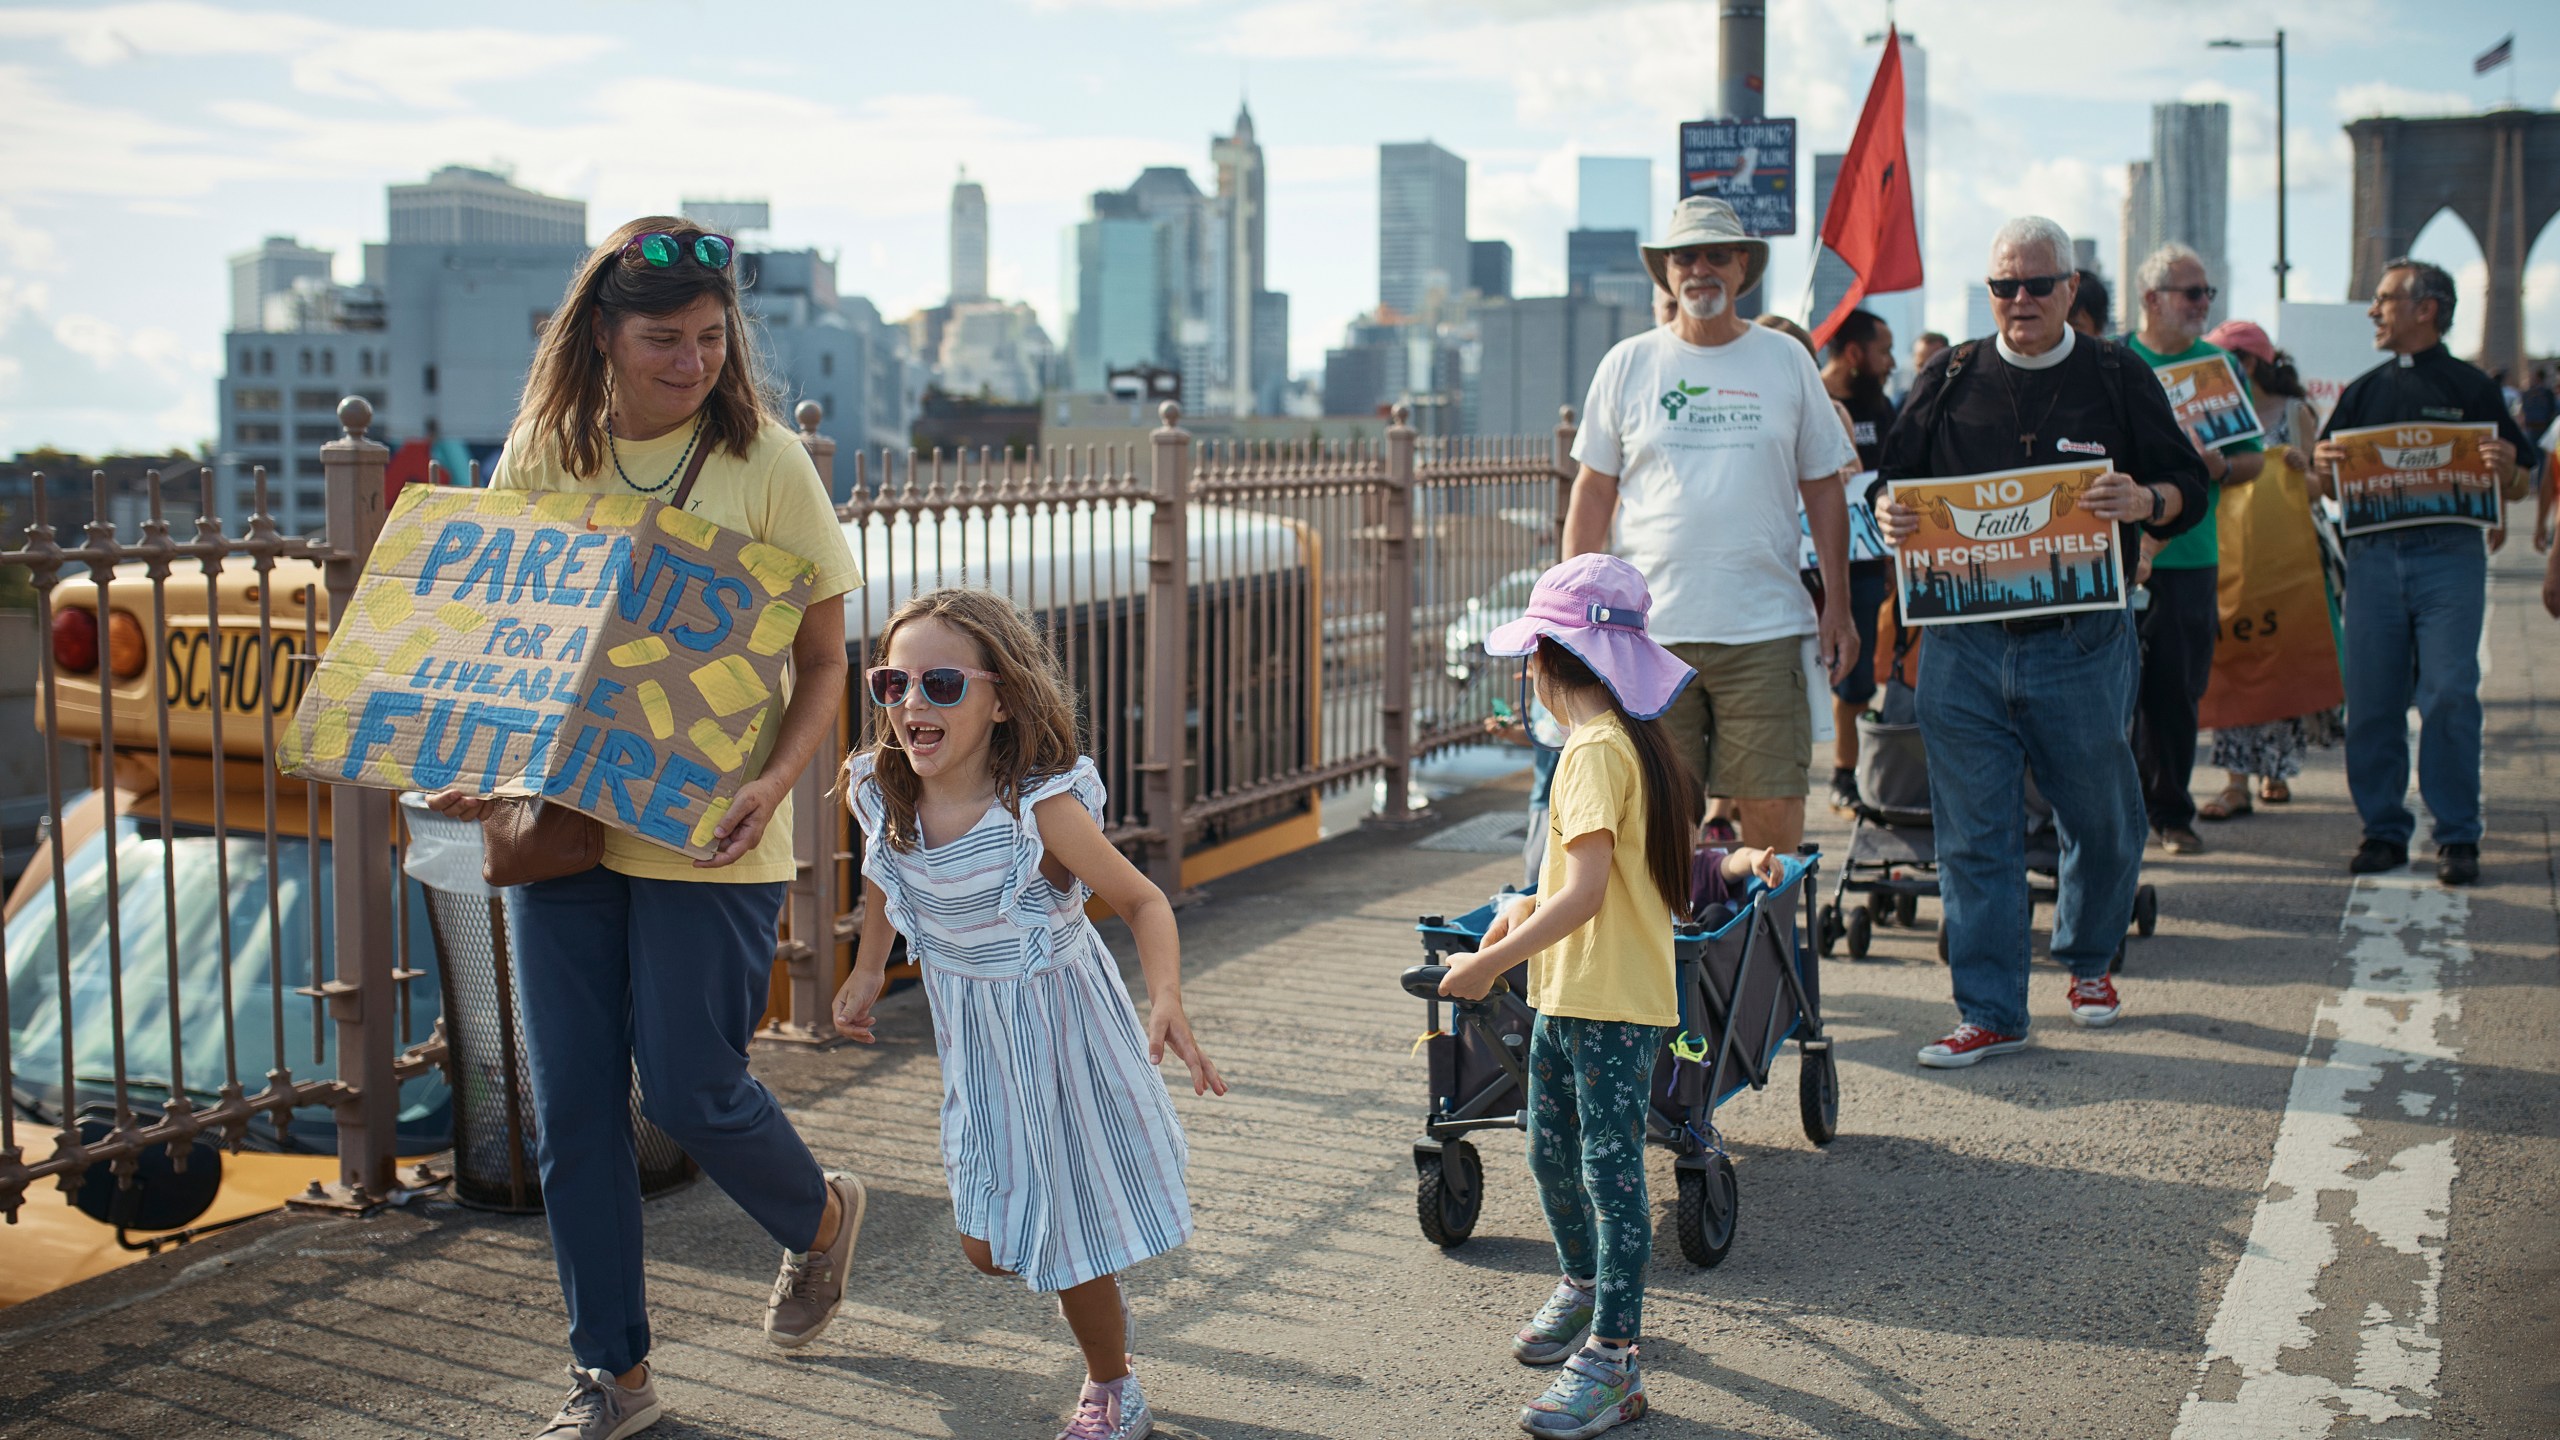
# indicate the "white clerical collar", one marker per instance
pixel 2045 361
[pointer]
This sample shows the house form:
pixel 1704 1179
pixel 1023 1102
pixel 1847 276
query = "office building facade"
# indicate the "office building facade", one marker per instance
pixel 1591 254
pixel 1489 269
pixel 1537 355
pixel 2181 194
pixel 270 270
pixel 1422 226
pixel 968 240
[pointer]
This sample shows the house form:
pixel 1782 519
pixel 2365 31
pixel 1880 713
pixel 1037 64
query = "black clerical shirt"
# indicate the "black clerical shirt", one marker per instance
pixel 2101 399
pixel 2429 385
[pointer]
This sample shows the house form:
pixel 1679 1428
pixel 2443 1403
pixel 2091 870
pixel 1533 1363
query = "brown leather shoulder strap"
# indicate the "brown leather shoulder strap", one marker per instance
pixel 693 471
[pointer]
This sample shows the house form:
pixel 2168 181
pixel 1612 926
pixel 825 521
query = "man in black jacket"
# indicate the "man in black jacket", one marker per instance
pixel 2417 595
pixel 2053 692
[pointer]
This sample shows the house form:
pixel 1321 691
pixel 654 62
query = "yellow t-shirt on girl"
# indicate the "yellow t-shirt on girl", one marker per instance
pixel 774 494
pixel 1618 966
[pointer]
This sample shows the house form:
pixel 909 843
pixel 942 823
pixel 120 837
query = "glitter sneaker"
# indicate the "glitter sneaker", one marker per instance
pixel 1117 1411
pixel 1557 1329
pixel 1591 1395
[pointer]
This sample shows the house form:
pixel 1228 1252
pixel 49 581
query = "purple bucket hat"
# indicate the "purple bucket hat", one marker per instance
pixel 1594 606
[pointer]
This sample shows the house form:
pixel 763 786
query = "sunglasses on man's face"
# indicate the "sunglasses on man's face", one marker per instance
pixel 1699 257
pixel 943 685
pixel 2193 294
pixel 661 249
pixel 2037 285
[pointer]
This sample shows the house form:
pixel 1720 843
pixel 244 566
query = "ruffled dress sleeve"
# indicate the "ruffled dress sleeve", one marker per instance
pixel 1029 899
pixel 879 861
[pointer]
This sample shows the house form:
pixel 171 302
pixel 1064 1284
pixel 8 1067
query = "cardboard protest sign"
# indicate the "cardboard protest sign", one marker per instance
pixel 2208 399
pixel 1866 542
pixel 607 652
pixel 2007 545
pixel 2427 473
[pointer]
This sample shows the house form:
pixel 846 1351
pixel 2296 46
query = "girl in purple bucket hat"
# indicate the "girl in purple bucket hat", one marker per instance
pixel 1597 942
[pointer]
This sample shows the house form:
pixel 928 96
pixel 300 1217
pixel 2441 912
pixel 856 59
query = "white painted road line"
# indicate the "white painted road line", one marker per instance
pixel 2366 1142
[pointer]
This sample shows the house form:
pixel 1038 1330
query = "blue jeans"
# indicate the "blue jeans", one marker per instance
pixel 1992 703
pixel 2416 599
pixel 614 971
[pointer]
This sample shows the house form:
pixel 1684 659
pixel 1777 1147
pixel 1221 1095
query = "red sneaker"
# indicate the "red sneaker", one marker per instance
pixel 2094 1002
pixel 1968 1044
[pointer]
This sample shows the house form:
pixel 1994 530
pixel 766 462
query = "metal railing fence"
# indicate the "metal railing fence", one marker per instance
pixel 1248 628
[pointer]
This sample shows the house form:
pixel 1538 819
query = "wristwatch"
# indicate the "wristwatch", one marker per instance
pixel 2152 516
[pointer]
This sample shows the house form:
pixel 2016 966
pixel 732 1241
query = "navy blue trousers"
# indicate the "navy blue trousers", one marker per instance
pixel 612 972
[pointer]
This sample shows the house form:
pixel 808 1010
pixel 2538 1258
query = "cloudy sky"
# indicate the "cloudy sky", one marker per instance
pixel 144 143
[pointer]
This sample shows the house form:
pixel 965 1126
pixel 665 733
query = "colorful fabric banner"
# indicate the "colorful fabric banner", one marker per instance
pixel 2007 545
pixel 607 652
pixel 2421 473
pixel 2277 655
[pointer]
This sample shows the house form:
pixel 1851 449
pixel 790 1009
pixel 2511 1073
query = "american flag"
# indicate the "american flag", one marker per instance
pixel 2495 56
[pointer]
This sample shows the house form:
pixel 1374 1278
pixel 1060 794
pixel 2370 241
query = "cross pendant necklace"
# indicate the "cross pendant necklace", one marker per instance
pixel 2026 434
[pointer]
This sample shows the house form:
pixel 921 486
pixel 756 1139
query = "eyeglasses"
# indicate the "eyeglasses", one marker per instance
pixel 1698 256
pixel 2195 294
pixel 944 685
pixel 2037 285
pixel 661 249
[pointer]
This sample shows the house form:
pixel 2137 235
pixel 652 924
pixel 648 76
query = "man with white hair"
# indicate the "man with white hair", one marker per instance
pixel 1698 439
pixel 2054 692
pixel 2185 614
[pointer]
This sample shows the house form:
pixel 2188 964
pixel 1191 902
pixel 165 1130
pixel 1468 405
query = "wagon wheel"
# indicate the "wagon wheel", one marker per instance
pixel 1447 1204
pixel 1829 929
pixel 1879 910
pixel 1818 1093
pixel 1708 1198
pixel 1862 932
pixel 2146 911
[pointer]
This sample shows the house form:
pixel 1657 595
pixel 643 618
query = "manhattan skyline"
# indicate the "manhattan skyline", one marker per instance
pixel 150 142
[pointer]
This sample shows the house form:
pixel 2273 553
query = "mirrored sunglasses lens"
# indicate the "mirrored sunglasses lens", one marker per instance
pixel 711 252
pixel 658 250
pixel 945 687
pixel 889 687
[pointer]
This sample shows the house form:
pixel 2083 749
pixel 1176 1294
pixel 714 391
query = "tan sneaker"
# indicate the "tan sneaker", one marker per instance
pixel 599 1409
pixel 811 1283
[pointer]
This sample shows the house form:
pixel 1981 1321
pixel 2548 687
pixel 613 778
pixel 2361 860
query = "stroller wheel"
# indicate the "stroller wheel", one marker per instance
pixel 1708 1198
pixel 1818 1094
pixel 1450 1193
pixel 1880 910
pixel 1831 930
pixel 1906 910
pixel 1862 932
pixel 2146 911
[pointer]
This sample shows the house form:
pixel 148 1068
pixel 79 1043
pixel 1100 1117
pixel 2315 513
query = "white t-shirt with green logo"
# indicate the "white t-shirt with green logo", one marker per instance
pixel 1709 444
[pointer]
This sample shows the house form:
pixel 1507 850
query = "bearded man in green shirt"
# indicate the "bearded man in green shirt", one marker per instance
pixel 2185 614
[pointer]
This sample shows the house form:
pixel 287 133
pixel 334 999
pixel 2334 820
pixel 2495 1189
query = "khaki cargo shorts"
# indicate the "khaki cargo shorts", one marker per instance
pixel 1744 724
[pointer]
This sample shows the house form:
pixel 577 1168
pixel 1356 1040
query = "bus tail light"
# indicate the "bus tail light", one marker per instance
pixel 75 640
pixel 127 651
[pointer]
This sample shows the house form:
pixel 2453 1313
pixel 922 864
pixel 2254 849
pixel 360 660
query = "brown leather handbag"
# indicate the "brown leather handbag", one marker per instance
pixel 525 838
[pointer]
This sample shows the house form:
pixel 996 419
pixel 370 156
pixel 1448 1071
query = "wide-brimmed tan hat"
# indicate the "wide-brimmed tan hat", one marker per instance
pixel 1706 220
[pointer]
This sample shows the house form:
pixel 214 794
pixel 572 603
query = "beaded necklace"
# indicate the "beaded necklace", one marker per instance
pixel 616 449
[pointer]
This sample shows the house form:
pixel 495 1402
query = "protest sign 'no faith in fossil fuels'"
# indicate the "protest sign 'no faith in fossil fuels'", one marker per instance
pixel 604 651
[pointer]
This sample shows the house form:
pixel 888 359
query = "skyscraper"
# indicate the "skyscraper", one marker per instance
pixel 1241 310
pixel 1489 268
pixel 1422 225
pixel 1592 254
pixel 1614 192
pixel 2190 188
pixel 1115 284
pixel 268 270
pixel 968 239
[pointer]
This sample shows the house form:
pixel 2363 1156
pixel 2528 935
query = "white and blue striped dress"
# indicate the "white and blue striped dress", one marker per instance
pixel 1058 1136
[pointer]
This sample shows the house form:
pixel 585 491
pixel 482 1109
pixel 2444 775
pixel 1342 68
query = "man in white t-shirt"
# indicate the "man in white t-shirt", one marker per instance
pixel 1697 440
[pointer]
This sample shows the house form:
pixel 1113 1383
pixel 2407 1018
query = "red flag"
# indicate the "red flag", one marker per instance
pixel 1869 224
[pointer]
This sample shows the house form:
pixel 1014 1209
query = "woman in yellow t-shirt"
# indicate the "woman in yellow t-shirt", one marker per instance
pixel 651 959
pixel 1619 822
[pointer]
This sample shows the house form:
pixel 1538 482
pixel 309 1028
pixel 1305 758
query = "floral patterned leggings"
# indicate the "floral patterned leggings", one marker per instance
pixel 1588 1085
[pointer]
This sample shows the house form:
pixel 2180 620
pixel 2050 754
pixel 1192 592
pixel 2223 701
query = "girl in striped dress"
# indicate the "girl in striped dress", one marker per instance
pixel 982 837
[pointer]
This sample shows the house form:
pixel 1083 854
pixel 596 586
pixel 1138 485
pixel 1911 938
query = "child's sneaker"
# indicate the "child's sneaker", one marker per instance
pixel 1117 1411
pixel 1593 1394
pixel 1558 1327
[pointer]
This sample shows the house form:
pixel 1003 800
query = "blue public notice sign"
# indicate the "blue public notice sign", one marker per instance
pixel 1750 164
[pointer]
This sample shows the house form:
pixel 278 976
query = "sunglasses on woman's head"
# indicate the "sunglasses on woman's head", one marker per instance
pixel 2037 285
pixel 661 249
pixel 944 685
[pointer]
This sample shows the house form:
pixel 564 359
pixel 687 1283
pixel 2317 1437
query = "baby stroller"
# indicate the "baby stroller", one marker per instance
pixel 1893 853
pixel 1747 984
